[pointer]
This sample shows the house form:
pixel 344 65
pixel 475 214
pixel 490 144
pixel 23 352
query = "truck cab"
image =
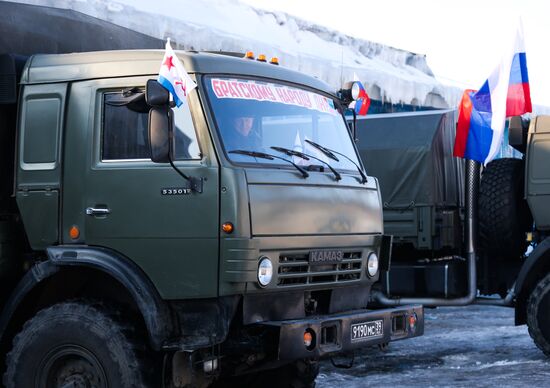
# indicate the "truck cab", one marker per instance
pixel 249 248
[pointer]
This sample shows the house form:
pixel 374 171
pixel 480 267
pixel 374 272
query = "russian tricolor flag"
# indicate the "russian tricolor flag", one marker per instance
pixel 482 114
pixel 362 102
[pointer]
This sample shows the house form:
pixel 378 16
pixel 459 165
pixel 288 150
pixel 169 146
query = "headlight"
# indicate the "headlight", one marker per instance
pixel 372 264
pixel 265 271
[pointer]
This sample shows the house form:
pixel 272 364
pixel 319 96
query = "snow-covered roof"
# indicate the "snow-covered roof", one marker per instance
pixel 389 74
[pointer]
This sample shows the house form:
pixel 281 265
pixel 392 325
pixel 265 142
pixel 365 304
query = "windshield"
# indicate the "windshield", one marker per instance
pixel 255 116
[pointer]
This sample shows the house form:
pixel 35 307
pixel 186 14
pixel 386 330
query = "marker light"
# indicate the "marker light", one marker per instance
pixel 249 55
pixel 308 338
pixel 227 227
pixel 412 321
pixel 74 232
pixel 274 61
pixel 261 58
pixel 265 271
pixel 372 264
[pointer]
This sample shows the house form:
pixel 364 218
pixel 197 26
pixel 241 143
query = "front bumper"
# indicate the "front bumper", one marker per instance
pixel 333 333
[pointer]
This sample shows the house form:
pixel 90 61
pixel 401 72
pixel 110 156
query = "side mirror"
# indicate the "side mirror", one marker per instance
pixel 350 92
pixel 156 94
pixel 161 124
pixel 517 133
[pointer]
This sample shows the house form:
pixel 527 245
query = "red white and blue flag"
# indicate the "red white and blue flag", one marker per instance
pixel 482 114
pixel 173 77
pixel 362 102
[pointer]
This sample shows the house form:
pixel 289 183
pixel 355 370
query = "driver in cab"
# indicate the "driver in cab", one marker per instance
pixel 241 134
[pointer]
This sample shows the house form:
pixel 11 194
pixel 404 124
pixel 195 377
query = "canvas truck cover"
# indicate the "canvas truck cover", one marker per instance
pixel 412 156
pixel 29 29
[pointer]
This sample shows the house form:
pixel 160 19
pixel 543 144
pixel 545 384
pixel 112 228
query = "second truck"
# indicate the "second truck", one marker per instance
pixel 445 251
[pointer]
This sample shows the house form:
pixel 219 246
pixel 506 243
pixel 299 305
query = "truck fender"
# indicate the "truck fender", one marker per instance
pixel 535 267
pixel 154 310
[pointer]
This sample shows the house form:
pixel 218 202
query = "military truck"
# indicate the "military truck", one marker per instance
pixel 431 205
pixel 143 244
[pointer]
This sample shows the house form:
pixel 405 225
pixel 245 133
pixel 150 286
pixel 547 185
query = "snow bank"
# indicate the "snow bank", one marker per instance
pixel 389 74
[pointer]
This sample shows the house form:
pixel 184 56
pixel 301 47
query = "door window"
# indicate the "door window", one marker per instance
pixel 125 137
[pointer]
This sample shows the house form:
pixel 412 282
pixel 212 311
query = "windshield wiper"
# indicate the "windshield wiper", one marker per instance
pixel 299 154
pixel 263 155
pixel 330 153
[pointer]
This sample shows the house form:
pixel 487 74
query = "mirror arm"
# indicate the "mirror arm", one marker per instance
pixel 355 139
pixel 195 184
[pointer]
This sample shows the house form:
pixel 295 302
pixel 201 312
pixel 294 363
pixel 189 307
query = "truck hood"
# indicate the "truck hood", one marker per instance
pixel 281 203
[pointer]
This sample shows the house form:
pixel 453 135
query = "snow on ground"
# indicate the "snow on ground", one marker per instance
pixel 389 74
pixel 475 346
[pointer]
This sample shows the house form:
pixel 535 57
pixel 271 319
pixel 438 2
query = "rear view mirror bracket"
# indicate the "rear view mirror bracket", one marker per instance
pixel 156 95
pixel 161 131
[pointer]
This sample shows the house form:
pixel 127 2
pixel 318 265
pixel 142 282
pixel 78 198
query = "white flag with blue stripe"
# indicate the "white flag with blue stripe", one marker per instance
pixel 173 77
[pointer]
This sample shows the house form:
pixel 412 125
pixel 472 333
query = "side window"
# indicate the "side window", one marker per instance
pixel 125 137
pixel 41 132
pixel 124 129
pixel 186 145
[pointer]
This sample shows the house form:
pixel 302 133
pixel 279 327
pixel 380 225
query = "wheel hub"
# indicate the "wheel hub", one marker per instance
pixel 71 366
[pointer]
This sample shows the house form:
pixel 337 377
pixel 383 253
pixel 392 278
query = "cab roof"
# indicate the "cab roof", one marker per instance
pixel 50 68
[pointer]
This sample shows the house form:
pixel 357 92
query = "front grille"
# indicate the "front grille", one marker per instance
pixel 294 270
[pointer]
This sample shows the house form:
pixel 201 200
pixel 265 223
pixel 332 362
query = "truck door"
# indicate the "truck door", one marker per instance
pixel 130 204
pixel 38 178
pixel 538 173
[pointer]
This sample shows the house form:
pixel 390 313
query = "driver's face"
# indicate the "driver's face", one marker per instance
pixel 243 125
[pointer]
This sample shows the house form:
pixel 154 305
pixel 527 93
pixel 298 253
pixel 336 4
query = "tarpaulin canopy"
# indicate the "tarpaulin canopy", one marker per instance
pixel 32 29
pixel 412 156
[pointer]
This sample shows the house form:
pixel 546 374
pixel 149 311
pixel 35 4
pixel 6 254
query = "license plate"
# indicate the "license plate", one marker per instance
pixel 364 330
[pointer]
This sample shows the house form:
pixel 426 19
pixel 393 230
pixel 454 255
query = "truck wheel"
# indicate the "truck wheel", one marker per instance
pixel 76 344
pixel 504 216
pixel 538 315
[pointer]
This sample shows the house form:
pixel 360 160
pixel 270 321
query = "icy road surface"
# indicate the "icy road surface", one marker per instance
pixel 476 346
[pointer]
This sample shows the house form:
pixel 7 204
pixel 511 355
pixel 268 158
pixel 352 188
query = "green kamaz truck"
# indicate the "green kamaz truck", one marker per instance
pixel 232 240
pixel 445 251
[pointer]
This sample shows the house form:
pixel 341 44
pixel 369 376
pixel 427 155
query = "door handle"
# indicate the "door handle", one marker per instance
pixel 98 211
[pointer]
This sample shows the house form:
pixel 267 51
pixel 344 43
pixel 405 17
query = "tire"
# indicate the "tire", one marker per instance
pixel 538 315
pixel 504 216
pixel 77 344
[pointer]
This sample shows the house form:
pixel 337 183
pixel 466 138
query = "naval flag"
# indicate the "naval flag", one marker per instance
pixel 173 77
